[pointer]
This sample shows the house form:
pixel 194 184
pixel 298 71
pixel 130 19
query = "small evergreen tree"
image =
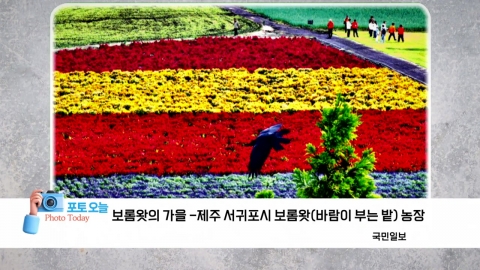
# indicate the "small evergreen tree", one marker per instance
pixel 337 172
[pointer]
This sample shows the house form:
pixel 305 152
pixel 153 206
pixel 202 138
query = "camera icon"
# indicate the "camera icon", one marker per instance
pixel 51 202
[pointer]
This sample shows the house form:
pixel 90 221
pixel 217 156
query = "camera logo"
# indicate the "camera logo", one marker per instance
pixel 41 202
pixel 51 202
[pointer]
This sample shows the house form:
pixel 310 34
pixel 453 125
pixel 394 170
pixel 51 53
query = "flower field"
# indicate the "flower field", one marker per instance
pixel 250 53
pixel 234 90
pixel 172 118
pixel 190 143
pixel 389 185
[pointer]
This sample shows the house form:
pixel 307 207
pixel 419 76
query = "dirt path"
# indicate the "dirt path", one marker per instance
pixel 404 67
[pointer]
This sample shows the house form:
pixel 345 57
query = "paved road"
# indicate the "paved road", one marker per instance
pixel 404 67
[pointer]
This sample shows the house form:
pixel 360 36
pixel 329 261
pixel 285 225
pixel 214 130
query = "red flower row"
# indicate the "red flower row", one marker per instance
pixel 207 53
pixel 89 145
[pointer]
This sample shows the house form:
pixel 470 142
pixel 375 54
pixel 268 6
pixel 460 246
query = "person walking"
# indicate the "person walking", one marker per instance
pixel 383 33
pixel 355 28
pixel 345 23
pixel 375 30
pixel 400 31
pixel 349 26
pixel 236 26
pixel 391 30
pixel 330 26
pixel 370 32
pixel 370 28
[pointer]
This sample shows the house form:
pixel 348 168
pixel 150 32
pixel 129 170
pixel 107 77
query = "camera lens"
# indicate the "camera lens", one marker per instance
pixel 50 202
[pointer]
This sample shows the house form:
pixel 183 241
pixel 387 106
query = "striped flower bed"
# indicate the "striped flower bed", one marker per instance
pixel 389 185
pixel 171 118
pixel 233 90
pixel 208 53
pixel 215 143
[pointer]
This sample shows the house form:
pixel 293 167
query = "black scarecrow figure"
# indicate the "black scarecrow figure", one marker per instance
pixel 262 146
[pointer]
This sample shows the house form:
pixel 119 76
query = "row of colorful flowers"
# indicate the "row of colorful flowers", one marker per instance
pixel 187 143
pixel 234 90
pixel 117 124
pixel 206 53
pixel 389 185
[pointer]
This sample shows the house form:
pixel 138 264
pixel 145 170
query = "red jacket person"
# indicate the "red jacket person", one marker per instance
pixel 355 28
pixel 330 26
pixel 401 31
pixel 391 30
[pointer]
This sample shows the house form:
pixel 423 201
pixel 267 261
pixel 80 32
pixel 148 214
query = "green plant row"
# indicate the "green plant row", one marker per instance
pixel 75 26
pixel 413 18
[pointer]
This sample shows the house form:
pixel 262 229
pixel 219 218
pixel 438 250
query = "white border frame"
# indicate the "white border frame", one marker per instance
pixel 429 89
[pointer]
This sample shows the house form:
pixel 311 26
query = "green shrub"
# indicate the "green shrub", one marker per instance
pixel 265 194
pixel 337 172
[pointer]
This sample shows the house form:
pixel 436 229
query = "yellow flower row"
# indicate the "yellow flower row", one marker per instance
pixel 234 90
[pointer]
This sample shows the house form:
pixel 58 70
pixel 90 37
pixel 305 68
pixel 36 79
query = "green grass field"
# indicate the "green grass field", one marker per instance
pixel 414 49
pixel 74 26
pixel 412 18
